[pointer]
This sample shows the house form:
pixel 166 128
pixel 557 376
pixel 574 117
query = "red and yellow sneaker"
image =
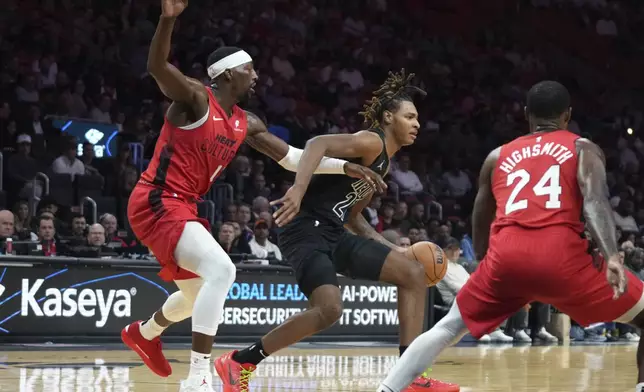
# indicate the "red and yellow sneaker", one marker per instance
pixel 235 375
pixel 150 351
pixel 426 384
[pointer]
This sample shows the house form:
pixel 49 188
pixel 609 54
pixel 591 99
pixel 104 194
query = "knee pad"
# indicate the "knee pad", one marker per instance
pixel 177 307
pixel 218 269
pixel 197 251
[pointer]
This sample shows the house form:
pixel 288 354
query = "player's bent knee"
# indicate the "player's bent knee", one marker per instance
pixel 330 313
pixel 219 268
pixel 405 273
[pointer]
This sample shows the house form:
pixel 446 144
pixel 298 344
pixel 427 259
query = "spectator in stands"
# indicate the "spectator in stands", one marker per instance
pixel 22 169
pixel 6 224
pixel 370 212
pixel 230 213
pixel 46 236
pixel 67 163
pixel 272 232
pixel 457 181
pixel 407 180
pixel 401 214
pixel 404 242
pixel 244 217
pixel 260 204
pixel 414 234
pixel 79 227
pixel 96 235
pixel 260 246
pixel 444 232
pixel 229 242
pixel 27 90
pixel 127 181
pixel 88 158
pixel 101 113
pixel 624 217
pixel 455 279
pixel 256 187
pixel 386 217
pixel 22 221
pixel 416 218
pixel 113 237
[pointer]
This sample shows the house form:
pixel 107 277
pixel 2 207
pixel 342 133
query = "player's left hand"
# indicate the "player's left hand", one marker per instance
pixel 290 205
pixel 374 179
pixel 616 276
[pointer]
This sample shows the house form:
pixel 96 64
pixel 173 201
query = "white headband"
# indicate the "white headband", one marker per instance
pixel 231 61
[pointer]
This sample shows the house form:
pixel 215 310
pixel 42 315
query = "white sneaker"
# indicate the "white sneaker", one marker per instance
pixel 197 384
pixel 485 339
pixel 631 337
pixel 522 337
pixel 499 336
pixel 546 336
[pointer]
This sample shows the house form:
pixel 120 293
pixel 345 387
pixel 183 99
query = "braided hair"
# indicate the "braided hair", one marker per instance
pixel 396 89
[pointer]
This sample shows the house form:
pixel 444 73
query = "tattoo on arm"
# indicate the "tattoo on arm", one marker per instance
pixel 359 225
pixel 591 176
pixel 263 141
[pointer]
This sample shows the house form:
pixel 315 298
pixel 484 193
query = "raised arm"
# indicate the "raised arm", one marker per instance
pixel 484 206
pixel 591 176
pixel 171 81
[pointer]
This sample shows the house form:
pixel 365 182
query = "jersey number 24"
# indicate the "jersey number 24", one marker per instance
pixel 548 185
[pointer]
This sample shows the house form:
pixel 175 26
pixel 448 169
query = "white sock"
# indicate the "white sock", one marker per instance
pixel 150 329
pixel 639 387
pixel 199 364
pixel 422 352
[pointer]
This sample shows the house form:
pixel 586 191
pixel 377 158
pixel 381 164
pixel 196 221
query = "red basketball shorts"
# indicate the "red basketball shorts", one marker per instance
pixel 157 218
pixel 548 265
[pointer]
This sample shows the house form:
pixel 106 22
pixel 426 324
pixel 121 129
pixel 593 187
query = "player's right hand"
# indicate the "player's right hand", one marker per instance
pixel 290 205
pixel 374 179
pixel 173 8
pixel 616 276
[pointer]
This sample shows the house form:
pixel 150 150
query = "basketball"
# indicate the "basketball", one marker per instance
pixel 432 258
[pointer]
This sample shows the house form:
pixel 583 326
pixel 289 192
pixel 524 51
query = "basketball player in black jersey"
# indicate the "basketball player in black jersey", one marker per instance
pixel 318 245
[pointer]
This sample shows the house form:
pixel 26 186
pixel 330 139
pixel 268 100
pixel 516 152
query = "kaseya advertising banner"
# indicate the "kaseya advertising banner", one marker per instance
pixel 100 302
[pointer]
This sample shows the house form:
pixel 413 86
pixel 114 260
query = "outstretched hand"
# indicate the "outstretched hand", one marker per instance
pixel 290 205
pixel 374 179
pixel 173 8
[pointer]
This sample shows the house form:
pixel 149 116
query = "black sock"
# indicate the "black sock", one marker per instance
pixel 253 354
pixel 402 349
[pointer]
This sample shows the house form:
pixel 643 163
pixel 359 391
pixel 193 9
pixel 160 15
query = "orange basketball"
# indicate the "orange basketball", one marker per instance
pixel 431 256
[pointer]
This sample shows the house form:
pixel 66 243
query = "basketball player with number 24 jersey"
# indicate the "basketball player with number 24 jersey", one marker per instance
pixel 527 229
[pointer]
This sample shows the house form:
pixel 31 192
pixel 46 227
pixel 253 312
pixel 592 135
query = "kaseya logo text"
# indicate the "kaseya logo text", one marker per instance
pixel 89 303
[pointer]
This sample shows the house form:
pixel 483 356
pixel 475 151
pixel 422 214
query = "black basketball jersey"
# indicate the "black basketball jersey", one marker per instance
pixel 332 196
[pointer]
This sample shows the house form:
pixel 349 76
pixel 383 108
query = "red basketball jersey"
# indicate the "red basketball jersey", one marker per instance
pixel 535 182
pixel 188 159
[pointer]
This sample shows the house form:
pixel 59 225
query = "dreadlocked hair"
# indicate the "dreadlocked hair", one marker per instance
pixel 396 88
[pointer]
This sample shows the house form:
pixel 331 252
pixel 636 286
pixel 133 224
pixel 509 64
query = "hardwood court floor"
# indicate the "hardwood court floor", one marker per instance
pixel 605 368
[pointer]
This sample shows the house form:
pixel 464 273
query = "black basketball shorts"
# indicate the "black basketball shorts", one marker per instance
pixel 318 251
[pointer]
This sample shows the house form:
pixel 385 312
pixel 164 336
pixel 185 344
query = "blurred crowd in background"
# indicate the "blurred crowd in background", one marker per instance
pixel 318 61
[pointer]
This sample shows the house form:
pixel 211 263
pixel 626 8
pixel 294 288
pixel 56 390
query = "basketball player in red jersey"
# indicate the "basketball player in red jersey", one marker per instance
pixel 527 225
pixel 201 134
